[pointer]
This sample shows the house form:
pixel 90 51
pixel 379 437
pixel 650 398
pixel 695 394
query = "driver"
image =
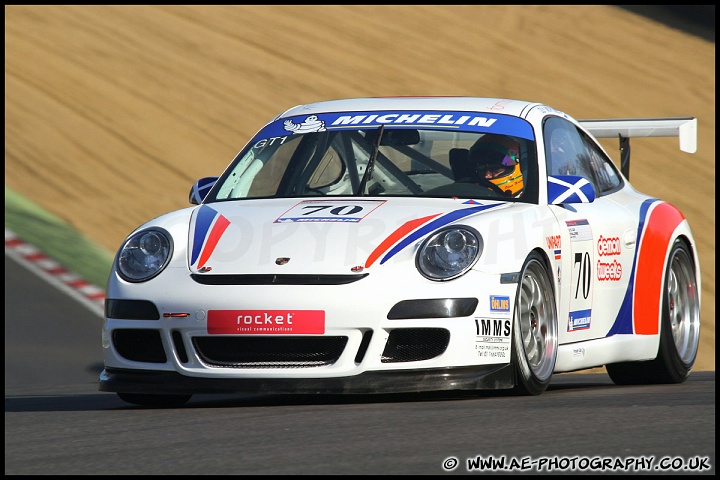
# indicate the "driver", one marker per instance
pixel 495 159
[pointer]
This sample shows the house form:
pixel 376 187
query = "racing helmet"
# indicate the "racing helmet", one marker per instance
pixel 496 158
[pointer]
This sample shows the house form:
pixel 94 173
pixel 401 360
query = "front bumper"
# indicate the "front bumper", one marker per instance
pixel 393 335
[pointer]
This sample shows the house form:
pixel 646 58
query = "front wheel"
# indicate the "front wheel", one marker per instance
pixel 679 327
pixel 535 329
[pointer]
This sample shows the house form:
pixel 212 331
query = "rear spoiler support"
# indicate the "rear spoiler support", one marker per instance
pixel 623 128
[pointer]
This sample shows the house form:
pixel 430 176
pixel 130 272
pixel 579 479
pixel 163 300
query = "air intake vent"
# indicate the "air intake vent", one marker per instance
pixel 269 352
pixel 415 344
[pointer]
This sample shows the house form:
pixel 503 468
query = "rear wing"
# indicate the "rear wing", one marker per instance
pixel 624 128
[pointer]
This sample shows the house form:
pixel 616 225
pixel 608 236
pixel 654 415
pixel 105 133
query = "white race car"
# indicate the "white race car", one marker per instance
pixel 384 245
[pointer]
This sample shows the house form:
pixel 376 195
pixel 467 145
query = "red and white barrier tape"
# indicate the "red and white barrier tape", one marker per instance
pixel 42 264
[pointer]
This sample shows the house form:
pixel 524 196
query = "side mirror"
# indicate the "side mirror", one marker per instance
pixel 200 189
pixel 563 189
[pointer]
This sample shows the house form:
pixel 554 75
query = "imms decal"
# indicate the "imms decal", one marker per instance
pixel 492 328
pixel 493 338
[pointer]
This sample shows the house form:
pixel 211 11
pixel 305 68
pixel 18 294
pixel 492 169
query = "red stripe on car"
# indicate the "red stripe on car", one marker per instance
pixel 661 224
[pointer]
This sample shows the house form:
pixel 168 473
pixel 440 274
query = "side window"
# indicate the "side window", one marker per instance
pixel 564 150
pixel 568 151
pixel 602 168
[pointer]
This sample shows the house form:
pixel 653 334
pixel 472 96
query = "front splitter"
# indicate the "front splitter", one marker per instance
pixel 481 377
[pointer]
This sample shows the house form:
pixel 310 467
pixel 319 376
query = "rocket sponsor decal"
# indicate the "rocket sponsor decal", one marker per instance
pixel 209 228
pixel 264 322
pixel 419 228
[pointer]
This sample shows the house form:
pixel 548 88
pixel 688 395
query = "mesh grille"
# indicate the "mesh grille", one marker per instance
pixel 139 345
pixel 269 352
pixel 414 344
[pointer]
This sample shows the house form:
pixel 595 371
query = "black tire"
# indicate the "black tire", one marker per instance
pixel 152 400
pixel 679 328
pixel 535 329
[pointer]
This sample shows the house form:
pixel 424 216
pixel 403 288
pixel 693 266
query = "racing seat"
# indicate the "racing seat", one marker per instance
pixel 459 164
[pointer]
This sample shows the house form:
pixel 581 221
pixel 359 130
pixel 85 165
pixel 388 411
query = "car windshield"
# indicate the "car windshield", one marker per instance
pixel 305 156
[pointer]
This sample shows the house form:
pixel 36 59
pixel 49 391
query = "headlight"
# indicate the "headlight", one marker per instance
pixel 144 255
pixel 449 253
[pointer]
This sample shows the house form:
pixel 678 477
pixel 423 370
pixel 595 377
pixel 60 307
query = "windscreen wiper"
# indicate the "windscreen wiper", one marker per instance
pixel 371 162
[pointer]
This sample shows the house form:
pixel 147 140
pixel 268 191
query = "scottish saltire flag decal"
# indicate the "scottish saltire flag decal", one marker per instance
pixel 569 188
pixel 201 188
pixel 209 227
pixel 419 228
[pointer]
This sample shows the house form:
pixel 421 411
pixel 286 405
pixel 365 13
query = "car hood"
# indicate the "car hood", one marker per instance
pixel 324 236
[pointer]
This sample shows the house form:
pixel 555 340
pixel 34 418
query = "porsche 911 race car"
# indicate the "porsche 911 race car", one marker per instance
pixel 385 245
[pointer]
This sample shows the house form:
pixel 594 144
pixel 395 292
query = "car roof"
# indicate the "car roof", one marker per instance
pixel 470 104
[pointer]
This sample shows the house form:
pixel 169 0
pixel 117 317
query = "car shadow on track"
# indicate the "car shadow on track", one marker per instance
pixel 562 385
pixel 44 400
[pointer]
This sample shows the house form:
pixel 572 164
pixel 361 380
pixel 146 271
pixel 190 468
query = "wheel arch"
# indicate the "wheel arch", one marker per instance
pixel 547 263
pixel 533 377
pixel 682 235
